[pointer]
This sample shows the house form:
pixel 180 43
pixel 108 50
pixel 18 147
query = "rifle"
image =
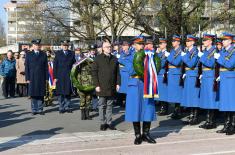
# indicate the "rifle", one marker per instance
pixel 216 75
pixel 199 72
pixel 165 78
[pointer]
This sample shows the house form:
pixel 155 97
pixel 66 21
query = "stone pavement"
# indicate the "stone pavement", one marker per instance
pixel 53 133
pixel 170 141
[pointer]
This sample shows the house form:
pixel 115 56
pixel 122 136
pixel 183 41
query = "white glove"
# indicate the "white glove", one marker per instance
pixel 200 77
pixel 183 54
pixel 200 54
pixel 167 54
pixel 218 79
pixel 118 56
pixel 184 76
pixel 216 55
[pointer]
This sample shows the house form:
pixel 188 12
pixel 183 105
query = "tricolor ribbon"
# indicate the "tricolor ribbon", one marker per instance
pixel 51 77
pixel 150 76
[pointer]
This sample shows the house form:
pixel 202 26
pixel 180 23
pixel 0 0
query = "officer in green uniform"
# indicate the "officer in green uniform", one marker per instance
pixel 85 78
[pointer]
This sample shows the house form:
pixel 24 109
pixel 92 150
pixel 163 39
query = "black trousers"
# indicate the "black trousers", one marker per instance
pixel 8 86
pixel 22 90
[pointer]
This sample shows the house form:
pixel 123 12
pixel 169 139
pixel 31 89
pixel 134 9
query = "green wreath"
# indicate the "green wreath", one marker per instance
pixel 76 83
pixel 138 63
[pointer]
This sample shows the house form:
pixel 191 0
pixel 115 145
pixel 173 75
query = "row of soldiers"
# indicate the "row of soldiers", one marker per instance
pixel 192 77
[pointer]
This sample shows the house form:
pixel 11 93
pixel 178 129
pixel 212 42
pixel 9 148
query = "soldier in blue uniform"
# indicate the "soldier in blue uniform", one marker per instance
pixel 227 83
pixel 162 77
pixel 175 60
pixel 190 94
pixel 124 54
pixel 138 109
pixel 207 93
pixel 36 74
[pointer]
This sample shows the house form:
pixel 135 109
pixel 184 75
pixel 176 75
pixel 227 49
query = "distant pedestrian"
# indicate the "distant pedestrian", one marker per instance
pixel 8 70
pixel 20 76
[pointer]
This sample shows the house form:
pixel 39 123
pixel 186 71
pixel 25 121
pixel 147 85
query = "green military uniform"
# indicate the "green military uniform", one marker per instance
pixel 85 79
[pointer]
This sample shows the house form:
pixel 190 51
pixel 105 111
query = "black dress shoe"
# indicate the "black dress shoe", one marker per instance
pixel 69 111
pixel 61 112
pixel 103 127
pixel 34 113
pixel 111 127
pixel 41 113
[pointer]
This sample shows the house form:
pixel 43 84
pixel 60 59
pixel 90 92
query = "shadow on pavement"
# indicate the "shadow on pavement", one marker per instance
pixel 27 138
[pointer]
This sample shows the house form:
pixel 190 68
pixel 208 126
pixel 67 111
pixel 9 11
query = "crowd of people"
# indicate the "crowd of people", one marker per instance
pixel 191 76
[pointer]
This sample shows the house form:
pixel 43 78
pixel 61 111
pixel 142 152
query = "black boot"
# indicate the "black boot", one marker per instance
pixel 195 119
pixel 227 123
pixel 177 112
pixel 211 124
pixel 146 135
pixel 163 109
pixel 190 117
pixel 231 128
pixel 83 115
pixel 138 138
pixel 205 124
pixel 87 114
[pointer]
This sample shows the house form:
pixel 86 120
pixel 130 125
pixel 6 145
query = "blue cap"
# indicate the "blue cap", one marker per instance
pixel 162 40
pixel 139 39
pixel 176 37
pixel 207 36
pixel 191 38
pixel 227 36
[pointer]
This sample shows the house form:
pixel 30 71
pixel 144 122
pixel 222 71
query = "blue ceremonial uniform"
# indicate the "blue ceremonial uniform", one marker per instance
pixel 162 87
pixel 138 109
pixel 123 71
pixel 227 79
pixel 190 94
pixel 207 95
pixel 174 73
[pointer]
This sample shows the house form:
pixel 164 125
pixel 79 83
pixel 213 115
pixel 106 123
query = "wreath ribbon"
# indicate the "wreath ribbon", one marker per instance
pixel 150 76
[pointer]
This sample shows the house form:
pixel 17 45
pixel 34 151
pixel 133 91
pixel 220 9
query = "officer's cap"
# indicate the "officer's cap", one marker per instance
pixel 162 40
pixel 227 36
pixel 191 38
pixel 176 37
pixel 93 46
pixel 36 41
pixel 139 39
pixel 208 36
pixel 65 42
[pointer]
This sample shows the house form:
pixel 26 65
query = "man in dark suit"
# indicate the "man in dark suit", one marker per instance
pixel 106 77
pixel 63 62
pixel 36 73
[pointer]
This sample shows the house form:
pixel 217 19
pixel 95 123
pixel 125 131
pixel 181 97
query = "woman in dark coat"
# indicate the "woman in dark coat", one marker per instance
pixel 63 63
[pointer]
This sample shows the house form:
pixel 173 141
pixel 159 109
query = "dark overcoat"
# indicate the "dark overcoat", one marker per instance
pixel 62 66
pixel 36 71
pixel 105 74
